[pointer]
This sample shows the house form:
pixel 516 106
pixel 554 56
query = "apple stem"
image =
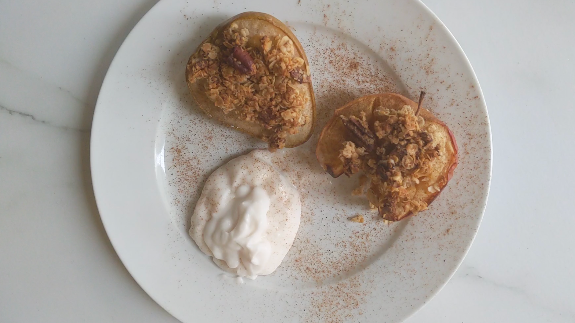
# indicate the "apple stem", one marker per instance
pixel 421 96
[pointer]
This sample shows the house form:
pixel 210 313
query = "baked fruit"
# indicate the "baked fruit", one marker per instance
pixel 252 74
pixel 406 154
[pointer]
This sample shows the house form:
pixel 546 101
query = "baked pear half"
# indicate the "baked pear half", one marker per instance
pixel 405 154
pixel 252 74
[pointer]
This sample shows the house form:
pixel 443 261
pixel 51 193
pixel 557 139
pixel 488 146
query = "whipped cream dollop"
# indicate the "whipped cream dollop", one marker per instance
pixel 247 216
pixel 237 233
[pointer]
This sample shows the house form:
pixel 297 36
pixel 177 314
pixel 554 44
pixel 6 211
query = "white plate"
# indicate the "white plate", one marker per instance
pixel 152 150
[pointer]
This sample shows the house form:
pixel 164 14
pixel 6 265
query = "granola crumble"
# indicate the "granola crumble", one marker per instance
pixel 358 219
pixel 397 160
pixel 256 78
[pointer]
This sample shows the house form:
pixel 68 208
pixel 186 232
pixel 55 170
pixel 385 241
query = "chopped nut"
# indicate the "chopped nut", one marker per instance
pixel 410 123
pixel 206 47
pixel 266 44
pixel 420 121
pixel 241 61
pixel 362 135
pixel 411 149
pixel 372 163
pixel 298 75
pixel 285 45
pixel 348 150
pixel 426 137
pixel 433 188
pixel 381 129
pixel 358 218
pixel 289 114
pixel 397 177
pixel 408 162
pixel 350 155
pixel 381 111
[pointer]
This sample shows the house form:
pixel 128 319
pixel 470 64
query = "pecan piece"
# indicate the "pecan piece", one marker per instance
pixel 362 136
pixel 383 172
pixel 299 75
pixel 241 61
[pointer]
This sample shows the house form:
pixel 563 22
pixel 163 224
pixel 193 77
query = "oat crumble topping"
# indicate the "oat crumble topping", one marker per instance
pixel 358 219
pixel 256 79
pixel 395 152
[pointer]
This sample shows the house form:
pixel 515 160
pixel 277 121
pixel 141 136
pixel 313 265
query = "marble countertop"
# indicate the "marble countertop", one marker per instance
pixel 57 264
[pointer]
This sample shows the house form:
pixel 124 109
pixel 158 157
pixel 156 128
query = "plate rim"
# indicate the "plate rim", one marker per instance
pixel 99 195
